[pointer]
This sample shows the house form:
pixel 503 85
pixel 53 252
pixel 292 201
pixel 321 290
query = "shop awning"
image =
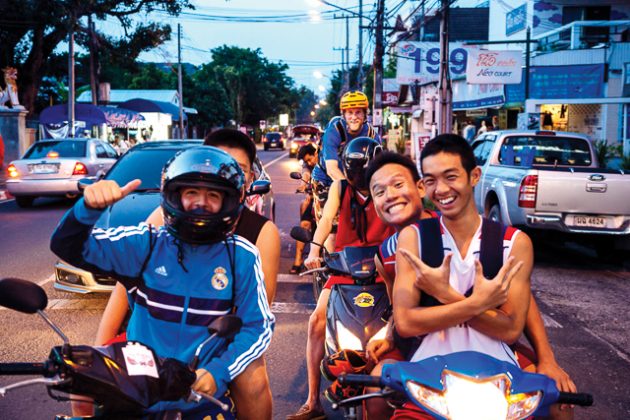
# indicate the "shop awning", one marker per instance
pixel 145 105
pixel 88 113
pixel 120 117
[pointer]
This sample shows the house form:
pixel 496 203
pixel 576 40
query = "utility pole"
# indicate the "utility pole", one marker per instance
pixel 71 116
pixel 93 62
pixel 445 91
pixel 359 83
pixel 345 54
pixel 180 89
pixel 379 51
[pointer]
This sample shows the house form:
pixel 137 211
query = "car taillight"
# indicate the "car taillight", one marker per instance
pixel 12 171
pixel 79 169
pixel 527 192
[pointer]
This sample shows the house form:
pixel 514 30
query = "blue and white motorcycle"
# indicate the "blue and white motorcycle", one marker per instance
pixel 465 385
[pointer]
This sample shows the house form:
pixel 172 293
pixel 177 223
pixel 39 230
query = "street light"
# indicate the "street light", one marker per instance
pixel 318 74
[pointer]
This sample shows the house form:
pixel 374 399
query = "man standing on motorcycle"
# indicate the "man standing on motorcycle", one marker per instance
pixel 340 130
pixel 358 226
pixel 308 156
pixel 185 274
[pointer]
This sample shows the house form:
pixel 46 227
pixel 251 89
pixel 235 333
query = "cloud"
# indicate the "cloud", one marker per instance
pixel 543 6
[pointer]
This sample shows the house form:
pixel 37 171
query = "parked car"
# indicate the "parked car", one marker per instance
pixel 303 135
pixel 144 161
pixel 273 139
pixel 551 181
pixel 53 167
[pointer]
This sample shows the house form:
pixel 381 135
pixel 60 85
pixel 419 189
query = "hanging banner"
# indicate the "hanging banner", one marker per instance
pixel 466 96
pixel 562 82
pixel 515 20
pixel 493 67
pixel 420 61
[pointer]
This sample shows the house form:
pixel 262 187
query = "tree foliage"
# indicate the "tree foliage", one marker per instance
pixel 31 30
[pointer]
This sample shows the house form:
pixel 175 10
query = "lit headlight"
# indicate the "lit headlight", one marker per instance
pixel 475 399
pixel 294 146
pixel 380 335
pixel 523 405
pixel 346 339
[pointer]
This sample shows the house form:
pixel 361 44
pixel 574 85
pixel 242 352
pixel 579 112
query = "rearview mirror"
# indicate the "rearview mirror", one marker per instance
pixel 300 234
pixel 22 296
pixel 295 175
pixel 259 187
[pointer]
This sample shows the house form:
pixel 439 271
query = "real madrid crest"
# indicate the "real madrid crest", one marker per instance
pixel 219 280
pixel 364 300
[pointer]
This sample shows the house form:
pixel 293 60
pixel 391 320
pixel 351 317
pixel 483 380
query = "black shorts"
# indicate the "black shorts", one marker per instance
pixel 307 215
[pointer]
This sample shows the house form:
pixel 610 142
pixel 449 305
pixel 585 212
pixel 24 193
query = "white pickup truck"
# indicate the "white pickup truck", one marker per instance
pixel 551 180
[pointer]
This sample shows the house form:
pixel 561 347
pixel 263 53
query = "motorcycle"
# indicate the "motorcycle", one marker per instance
pixel 355 312
pixel 464 385
pixel 319 277
pixel 124 379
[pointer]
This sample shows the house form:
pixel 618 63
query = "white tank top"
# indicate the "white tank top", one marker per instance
pixel 462 337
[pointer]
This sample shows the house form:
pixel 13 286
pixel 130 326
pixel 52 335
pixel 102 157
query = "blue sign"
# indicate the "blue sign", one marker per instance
pixel 566 82
pixel 516 20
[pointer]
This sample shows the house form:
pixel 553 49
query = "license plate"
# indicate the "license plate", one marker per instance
pixel 589 221
pixel 45 168
pixel 274 144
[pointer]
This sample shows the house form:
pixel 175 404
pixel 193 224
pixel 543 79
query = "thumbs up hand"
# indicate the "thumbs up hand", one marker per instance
pixel 105 193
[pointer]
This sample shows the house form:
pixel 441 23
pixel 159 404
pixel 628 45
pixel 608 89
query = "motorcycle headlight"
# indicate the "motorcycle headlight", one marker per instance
pixel 470 398
pixel 380 335
pixel 523 405
pixel 346 339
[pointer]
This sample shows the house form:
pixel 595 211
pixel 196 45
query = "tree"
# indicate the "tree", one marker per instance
pixel 32 29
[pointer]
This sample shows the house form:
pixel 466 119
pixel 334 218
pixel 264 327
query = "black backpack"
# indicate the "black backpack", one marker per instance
pixel 432 250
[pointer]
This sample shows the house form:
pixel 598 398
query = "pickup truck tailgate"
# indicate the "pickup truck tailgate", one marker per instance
pixel 583 192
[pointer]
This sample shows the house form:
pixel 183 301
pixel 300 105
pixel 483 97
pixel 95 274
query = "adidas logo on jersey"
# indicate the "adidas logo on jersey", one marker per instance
pixel 161 270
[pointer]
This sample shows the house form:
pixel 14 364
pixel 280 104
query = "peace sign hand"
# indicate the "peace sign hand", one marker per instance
pixel 433 281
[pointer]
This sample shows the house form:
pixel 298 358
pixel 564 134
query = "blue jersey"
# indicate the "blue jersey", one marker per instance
pixel 174 302
pixel 332 144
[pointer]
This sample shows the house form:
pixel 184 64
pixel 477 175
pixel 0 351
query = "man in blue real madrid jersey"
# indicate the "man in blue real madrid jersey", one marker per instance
pixel 185 274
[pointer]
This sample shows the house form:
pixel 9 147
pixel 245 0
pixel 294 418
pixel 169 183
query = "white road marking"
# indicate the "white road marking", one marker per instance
pixel 85 303
pixel 549 322
pixel 49 279
pixel 294 278
pixel 624 356
pixel 282 156
pixel 292 308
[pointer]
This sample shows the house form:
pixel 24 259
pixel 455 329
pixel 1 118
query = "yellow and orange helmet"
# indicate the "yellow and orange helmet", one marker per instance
pixel 353 99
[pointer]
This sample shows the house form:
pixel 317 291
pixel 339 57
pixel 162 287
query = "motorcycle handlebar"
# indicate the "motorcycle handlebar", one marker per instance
pixel 578 398
pixel 366 380
pixel 22 369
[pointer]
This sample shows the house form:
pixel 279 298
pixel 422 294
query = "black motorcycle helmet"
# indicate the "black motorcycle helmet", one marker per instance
pixel 209 167
pixel 356 156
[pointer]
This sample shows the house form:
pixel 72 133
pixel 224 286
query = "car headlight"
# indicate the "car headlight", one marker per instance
pixel 470 398
pixel 346 339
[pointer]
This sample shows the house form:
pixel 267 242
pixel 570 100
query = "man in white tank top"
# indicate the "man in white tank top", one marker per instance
pixel 494 314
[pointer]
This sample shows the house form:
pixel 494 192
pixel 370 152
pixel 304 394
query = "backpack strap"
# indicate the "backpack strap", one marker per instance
pixel 491 249
pixel 432 252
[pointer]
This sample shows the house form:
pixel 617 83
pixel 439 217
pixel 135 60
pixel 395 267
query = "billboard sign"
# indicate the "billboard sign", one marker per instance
pixel 486 66
pixel 420 61
pixel 516 20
